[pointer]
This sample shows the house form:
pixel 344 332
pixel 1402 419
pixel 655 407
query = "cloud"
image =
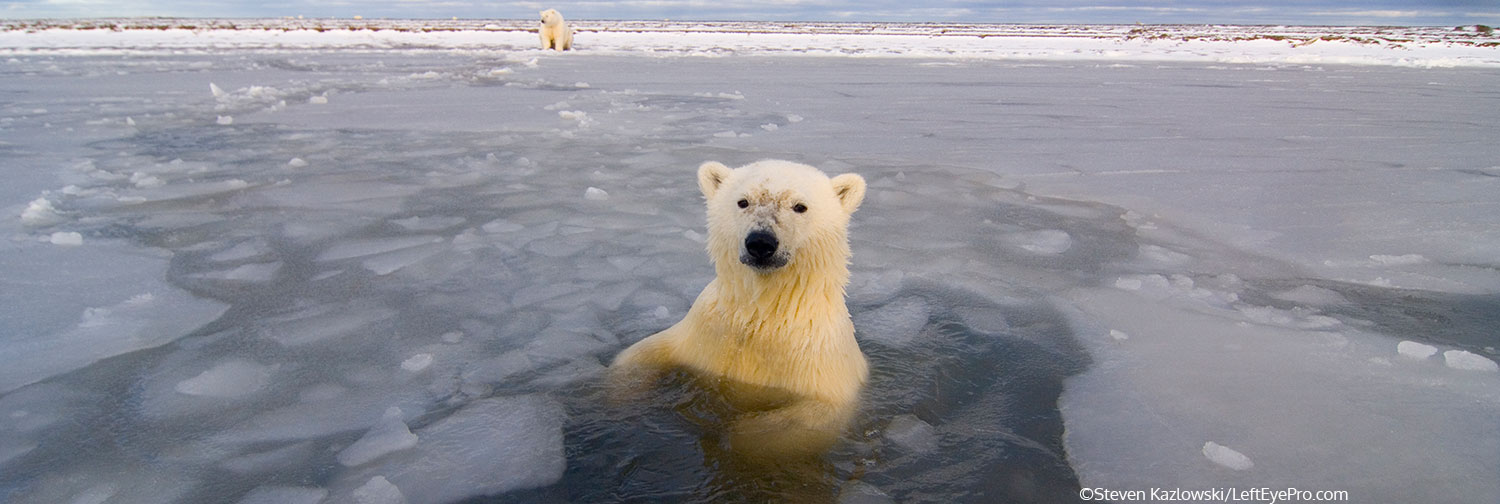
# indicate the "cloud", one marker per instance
pixel 1380 13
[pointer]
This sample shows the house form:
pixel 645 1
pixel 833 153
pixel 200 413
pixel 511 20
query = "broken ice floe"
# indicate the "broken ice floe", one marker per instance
pixel 1227 457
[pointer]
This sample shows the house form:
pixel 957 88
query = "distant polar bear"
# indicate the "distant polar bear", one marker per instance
pixel 555 33
pixel 771 332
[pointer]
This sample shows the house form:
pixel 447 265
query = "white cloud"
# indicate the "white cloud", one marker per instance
pixel 1380 13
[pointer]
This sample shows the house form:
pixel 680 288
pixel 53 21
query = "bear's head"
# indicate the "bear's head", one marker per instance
pixel 551 17
pixel 770 216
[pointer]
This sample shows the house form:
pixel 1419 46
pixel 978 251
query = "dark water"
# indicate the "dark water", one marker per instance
pixel 989 397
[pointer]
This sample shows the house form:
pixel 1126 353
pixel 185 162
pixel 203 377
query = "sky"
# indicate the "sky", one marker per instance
pixel 1296 12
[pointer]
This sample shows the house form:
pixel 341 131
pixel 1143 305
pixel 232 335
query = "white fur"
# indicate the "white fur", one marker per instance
pixel 555 32
pixel 787 330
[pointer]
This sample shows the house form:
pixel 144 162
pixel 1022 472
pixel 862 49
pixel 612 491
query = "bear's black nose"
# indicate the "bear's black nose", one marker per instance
pixel 760 245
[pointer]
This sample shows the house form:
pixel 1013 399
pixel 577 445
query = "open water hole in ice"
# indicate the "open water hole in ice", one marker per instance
pixel 450 248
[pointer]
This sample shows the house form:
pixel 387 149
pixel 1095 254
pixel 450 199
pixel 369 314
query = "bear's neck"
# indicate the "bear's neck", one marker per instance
pixel 808 293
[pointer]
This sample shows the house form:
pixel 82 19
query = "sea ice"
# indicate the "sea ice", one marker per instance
pixel 297 162
pixel 322 323
pixel 390 262
pixel 417 363
pixel 354 411
pixel 1399 260
pixel 389 435
pixel 428 223
pixel 1042 242
pixel 487 447
pixel 231 378
pixel 1415 350
pixel 270 461
pixel 142 321
pixel 66 238
pixel 896 323
pixel 40 212
pixel 912 434
pixel 378 490
pixel 284 495
pixel 250 273
pixel 373 246
pixel 1469 361
pixel 595 194
pixel 1312 296
pixel 1226 456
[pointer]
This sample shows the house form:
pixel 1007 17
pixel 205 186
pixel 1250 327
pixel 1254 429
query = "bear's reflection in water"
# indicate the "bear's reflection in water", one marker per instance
pixel 965 410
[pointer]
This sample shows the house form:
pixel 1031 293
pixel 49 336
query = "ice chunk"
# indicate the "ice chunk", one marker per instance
pixel 912 434
pixel 1469 361
pixel 389 435
pixel 1415 350
pixel 1043 242
pixel 417 362
pixel 252 273
pixel 224 120
pixel 231 378
pixel 390 262
pixel 583 118
pixel 379 490
pixel 186 191
pixel 487 447
pixel 276 459
pixel 284 495
pixel 595 194
pixel 324 322
pixel 66 238
pixel 318 100
pixel 143 321
pixel 895 324
pixel 350 412
pixel 1163 255
pixel 1398 260
pixel 1118 335
pixel 373 246
pixel 146 180
pixel 503 226
pixel 499 368
pixel 860 492
pixel 297 162
pixel 1312 296
pixel 661 312
pixel 40 213
pixel 428 223
pixel 217 92
pixel 1226 456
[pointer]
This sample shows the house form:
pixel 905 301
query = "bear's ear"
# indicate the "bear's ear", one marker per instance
pixel 850 188
pixel 711 175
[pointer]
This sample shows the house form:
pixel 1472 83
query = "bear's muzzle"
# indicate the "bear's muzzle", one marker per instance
pixel 760 251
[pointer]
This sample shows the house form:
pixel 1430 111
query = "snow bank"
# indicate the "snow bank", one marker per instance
pixel 1413 46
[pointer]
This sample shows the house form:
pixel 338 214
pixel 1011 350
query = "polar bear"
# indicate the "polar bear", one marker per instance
pixel 771 332
pixel 555 32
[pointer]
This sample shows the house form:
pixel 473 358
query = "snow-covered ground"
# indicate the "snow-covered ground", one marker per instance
pixel 279 264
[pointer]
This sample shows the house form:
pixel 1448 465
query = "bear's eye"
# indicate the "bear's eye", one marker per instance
pixel 744 203
pixel 799 208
